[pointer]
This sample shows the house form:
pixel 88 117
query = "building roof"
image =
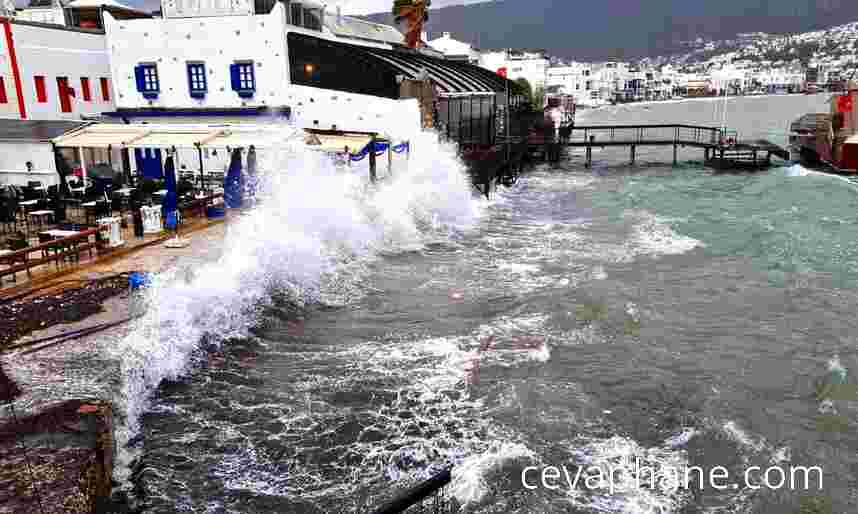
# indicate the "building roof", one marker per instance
pixel 36 131
pixel 348 27
pixel 110 5
pixel 335 57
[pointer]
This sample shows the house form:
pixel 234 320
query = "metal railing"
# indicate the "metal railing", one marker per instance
pixel 645 134
pixel 428 497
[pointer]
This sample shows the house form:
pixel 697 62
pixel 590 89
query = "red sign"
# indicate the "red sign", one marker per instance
pixel 844 104
pixel 502 72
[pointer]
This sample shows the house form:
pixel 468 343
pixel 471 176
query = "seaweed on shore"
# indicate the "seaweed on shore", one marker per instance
pixel 21 317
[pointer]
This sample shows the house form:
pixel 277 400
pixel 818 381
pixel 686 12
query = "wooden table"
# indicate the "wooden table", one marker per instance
pixel 41 216
pixel 57 234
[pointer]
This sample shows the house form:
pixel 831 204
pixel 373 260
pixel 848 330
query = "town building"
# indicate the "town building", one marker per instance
pixel 53 72
pixel 520 64
pixel 279 61
pixel 54 63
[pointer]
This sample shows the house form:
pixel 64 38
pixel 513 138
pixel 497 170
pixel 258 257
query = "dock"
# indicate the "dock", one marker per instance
pixel 722 148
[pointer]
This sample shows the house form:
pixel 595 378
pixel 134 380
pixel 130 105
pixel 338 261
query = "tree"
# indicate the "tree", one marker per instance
pixel 524 89
pixel 538 98
pixel 415 13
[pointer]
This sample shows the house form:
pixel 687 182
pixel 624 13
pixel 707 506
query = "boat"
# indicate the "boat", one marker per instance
pixel 828 141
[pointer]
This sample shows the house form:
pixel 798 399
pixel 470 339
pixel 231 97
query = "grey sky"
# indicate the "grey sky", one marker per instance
pixel 349 6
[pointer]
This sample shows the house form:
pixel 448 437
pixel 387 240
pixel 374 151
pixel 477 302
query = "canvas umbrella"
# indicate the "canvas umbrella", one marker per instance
pixel 251 173
pixel 169 203
pixel 232 183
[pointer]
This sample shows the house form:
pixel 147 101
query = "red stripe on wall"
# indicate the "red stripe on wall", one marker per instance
pixel 13 60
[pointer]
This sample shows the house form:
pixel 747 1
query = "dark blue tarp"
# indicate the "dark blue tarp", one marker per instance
pixel 232 184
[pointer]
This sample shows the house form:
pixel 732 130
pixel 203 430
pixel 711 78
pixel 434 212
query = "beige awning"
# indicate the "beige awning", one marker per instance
pixel 244 138
pixel 100 136
pixel 179 138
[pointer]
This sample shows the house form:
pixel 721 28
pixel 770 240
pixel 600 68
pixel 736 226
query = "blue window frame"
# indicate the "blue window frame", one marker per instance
pixel 197 85
pixel 147 80
pixel 243 79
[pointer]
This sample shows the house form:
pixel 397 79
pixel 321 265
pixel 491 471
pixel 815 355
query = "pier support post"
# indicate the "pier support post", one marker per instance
pixel 633 155
pixel 372 163
pixel 674 154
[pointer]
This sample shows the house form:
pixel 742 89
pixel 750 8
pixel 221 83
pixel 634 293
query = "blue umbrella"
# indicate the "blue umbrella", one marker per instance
pixel 232 185
pixel 169 204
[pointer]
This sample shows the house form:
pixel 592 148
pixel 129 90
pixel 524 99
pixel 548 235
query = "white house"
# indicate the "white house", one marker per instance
pixel 532 66
pixel 574 79
pixel 455 50
pixel 52 72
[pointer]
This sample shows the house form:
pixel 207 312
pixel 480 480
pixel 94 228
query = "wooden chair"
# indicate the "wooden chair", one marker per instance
pixel 18 243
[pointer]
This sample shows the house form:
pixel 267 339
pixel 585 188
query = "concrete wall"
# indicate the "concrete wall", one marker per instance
pixel 54 52
pixel 13 159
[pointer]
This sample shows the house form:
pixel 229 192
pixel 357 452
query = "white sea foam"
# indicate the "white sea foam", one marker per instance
pixel 312 224
pixel 654 236
pixel 620 458
pixel 469 485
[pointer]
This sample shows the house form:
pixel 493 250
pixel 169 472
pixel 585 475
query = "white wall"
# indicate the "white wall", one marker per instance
pixel 13 159
pixel 219 42
pixel 56 52
pixel 10 108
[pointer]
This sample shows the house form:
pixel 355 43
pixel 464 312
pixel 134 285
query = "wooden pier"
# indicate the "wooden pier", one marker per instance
pixel 722 149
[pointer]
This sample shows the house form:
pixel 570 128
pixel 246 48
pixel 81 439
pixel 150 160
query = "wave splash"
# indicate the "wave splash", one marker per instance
pixel 313 228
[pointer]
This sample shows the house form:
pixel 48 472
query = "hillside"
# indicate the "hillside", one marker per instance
pixel 613 29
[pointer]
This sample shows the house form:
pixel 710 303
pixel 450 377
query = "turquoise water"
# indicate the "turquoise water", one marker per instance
pixel 786 223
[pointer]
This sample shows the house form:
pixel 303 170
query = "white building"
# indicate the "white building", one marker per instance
pixel 455 50
pixel 51 72
pixel 576 79
pixel 290 61
pixel 531 66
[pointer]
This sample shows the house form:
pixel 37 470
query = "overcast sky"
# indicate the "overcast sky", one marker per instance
pixel 374 6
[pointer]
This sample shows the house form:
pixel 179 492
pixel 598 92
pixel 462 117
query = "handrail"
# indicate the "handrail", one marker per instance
pixel 54 242
pixel 644 126
pixel 23 254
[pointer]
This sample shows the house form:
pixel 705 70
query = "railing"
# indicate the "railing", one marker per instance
pixel 71 245
pixel 425 497
pixel 645 134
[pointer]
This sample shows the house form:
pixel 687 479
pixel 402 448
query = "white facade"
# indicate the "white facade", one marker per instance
pixel 531 66
pixel 219 42
pixel 455 50
pixel 53 52
pixel 576 79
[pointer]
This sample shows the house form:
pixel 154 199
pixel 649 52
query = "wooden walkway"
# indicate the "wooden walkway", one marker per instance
pixel 721 146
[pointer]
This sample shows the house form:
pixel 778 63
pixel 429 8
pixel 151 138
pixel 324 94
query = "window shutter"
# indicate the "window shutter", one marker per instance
pixel 234 77
pixel 188 69
pixel 141 81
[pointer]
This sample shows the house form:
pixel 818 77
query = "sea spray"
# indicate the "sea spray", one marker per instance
pixel 311 221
